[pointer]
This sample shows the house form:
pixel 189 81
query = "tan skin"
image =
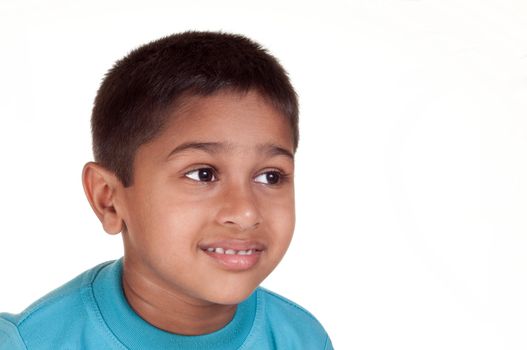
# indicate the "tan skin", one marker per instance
pixel 210 176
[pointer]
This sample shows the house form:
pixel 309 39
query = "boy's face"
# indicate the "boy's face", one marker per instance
pixel 218 180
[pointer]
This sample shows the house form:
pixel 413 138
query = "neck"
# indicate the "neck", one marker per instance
pixel 172 311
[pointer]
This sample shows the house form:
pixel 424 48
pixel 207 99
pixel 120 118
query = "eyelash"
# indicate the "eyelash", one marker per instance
pixel 282 176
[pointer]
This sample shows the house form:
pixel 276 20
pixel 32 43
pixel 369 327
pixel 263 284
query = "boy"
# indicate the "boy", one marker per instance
pixel 194 138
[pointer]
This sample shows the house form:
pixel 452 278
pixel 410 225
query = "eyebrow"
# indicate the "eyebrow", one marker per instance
pixel 269 149
pixel 209 147
pixel 274 150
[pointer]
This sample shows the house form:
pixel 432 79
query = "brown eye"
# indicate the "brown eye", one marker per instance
pixel 269 177
pixel 202 175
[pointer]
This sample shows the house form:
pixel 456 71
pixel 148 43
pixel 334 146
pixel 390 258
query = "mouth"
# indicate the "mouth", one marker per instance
pixel 229 251
pixel 234 255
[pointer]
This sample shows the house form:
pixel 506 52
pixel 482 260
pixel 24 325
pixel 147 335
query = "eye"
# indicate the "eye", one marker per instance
pixel 269 177
pixel 202 175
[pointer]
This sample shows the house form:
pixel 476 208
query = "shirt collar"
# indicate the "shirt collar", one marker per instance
pixel 135 333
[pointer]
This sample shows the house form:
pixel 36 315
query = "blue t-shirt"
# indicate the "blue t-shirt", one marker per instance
pixel 91 312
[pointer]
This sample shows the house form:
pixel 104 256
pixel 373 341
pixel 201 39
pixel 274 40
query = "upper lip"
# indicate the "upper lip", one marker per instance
pixel 234 244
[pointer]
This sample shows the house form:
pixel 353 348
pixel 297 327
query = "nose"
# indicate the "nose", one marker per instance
pixel 239 209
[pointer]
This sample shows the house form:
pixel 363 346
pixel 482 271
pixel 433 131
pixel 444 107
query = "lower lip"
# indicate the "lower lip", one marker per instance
pixel 235 262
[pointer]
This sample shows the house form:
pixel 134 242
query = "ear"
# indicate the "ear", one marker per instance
pixel 101 188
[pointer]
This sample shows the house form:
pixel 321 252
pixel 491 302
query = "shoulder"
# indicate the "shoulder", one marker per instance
pixel 52 317
pixel 290 325
pixel 9 337
pixel 281 305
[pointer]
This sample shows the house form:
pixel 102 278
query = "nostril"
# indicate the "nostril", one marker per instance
pixel 242 226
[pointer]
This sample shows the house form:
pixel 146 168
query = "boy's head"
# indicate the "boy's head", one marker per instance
pixel 194 137
pixel 134 101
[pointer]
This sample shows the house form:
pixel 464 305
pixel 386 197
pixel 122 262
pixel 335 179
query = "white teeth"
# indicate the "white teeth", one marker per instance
pixel 230 251
pixel 245 252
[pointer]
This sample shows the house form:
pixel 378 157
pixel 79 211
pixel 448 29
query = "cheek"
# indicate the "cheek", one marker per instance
pixel 179 224
pixel 281 221
pixel 165 224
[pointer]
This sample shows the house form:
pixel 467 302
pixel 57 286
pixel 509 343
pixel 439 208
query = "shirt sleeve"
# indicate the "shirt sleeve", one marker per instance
pixel 9 337
pixel 328 346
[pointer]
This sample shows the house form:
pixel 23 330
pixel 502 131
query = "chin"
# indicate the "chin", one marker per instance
pixel 232 295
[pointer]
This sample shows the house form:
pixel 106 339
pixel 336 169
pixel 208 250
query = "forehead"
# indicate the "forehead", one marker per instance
pixel 239 120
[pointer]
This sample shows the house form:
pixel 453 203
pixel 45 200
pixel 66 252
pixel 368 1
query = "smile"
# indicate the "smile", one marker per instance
pixel 234 255
pixel 231 251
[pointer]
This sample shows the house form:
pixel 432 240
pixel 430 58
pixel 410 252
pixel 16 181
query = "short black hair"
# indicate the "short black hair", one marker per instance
pixel 132 102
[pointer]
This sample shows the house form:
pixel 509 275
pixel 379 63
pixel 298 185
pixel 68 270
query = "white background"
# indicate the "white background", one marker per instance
pixel 411 171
